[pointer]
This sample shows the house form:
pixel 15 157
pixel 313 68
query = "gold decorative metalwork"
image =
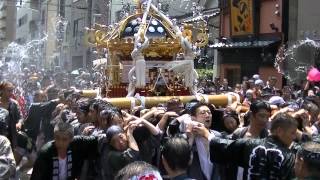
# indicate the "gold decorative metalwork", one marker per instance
pixel 187 32
pixel 100 36
pixel 202 40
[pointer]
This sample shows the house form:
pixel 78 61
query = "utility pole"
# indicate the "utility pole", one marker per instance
pixel 89 25
pixel 41 50
pixel 90 13
pixel 109 12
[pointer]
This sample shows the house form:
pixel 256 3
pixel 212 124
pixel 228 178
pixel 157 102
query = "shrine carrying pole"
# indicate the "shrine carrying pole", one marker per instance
pixel 148 102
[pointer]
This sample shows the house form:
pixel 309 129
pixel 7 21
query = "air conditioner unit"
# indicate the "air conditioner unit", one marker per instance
pixel 3 4
pixel 3 14
pixel 2 24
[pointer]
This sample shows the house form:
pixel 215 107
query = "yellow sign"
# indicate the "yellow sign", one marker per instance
pixel 241 17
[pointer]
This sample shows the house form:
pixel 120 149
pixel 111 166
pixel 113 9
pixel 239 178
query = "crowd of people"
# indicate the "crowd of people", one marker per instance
pixel 58 134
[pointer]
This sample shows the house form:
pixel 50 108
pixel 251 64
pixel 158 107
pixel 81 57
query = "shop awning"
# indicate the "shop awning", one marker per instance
pixel 242 44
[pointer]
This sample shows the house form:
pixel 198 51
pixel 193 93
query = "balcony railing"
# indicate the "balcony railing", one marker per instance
pixel 3 5
pixel 2 24
pixel 3 14
pixel 2 34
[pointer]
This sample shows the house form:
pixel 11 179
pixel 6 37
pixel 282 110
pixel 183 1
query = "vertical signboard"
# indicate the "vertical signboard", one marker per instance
pixel 242 17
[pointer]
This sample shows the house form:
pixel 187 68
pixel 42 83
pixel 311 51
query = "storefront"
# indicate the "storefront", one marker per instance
pixel 251 32
pixel 246 58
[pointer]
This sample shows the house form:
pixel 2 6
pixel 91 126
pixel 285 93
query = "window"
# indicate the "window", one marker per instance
pixel 33 29
pixel 43 17
pixel 62 8
pixel 33 34
pixel 67 31
pixel 75 27
pixel 119 15
pixel 2 35
pixel 21 41
pixel 19 2
pixel 23 20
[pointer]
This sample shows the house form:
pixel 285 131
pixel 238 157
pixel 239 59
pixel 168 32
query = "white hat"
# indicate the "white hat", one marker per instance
pixel 249 91
pixel 276 100
pixel 258 82
pixel 256 76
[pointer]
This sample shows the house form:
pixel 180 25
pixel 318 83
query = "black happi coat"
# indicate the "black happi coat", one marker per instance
pixel 264 158
pixel 46 166
pixel 231 170
pixel 14 117
pixel 113 160
pixel 39 113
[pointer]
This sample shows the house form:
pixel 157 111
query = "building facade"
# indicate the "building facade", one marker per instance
pixel 302 20
pixel 81 14
pixel 69 48
pixel 7 23
pixel 28 29
pixel 49 14
pixel 75 50
pixel 251 32
pixel 303 25
pixel 28 18
pixel 63 22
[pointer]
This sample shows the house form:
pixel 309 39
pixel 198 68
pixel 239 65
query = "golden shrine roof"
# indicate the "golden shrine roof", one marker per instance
pixel 156 27
pixel 163 42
